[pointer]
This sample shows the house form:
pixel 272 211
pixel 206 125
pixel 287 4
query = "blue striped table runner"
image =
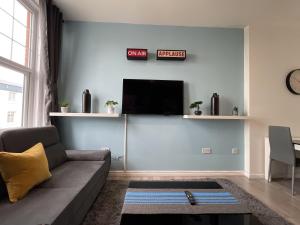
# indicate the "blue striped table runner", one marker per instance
pixel 201 198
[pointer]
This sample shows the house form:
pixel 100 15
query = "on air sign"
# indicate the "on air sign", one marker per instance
pixel 137 54
pixel 171 54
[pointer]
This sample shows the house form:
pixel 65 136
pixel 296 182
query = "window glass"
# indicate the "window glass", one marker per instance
pixel 16 32
pixel 11 98
pixel 19 53
pixel 15 24
pixel 5 46
pixel 20 13
pixel 10 117
pixel 19 33
pixel 6 28
pixel 7 5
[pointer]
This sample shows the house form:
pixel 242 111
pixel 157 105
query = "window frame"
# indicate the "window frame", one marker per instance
pixel 29 72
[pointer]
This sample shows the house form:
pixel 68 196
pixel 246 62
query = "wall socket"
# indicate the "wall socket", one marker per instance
pixel 206 151
pixel 116 157
pixel 235 151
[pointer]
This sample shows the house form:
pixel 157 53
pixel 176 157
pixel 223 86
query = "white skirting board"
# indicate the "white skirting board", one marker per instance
pixel 173 174
pixel 254 175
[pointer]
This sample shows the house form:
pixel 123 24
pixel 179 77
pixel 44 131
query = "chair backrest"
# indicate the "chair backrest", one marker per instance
pixel 281 145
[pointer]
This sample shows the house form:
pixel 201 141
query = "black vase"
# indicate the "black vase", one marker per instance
pixel 86 101
pixel 214 105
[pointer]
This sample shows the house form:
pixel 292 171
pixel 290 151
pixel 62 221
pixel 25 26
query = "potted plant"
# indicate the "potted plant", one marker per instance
pixel 64 107
pixel 110 104
pixel 197 106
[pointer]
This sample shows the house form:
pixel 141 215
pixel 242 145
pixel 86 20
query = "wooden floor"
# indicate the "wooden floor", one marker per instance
pixel 275 195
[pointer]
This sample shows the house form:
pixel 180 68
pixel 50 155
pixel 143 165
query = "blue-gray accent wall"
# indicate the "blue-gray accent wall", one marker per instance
pixel 94 57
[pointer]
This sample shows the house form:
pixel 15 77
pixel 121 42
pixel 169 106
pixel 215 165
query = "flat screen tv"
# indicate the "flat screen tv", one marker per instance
pixel 162 97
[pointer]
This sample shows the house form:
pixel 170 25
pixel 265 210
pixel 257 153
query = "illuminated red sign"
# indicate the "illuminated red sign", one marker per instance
pixel 137 54
pixel 171 54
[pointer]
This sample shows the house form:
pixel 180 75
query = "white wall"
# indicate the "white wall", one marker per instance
pixel 274 50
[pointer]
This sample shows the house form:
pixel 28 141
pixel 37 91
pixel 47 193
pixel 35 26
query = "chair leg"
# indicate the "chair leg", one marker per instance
pixel 269 175
pixel 293 179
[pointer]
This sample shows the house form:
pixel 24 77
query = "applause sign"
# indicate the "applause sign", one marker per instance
pixel 171 54
pixel 137 54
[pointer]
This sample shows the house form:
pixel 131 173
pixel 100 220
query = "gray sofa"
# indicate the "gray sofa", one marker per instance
pixel 64 199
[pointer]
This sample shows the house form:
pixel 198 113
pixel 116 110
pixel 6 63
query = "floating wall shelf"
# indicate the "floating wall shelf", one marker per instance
pixel 208 117
pixel 116 115
pixel 103 115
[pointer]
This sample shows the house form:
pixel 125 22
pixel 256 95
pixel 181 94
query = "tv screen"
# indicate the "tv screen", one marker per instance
pixel 152 97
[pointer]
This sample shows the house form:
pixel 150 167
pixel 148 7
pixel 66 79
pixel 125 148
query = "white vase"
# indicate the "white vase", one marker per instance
pixel 110 109
pixel 64 109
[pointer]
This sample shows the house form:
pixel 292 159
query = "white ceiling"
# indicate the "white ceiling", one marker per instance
pixel 216 13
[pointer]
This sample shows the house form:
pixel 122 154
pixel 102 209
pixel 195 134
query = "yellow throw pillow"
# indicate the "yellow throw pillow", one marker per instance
pixel 22 171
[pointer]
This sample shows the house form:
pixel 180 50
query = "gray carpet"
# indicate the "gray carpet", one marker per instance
pixel 107 208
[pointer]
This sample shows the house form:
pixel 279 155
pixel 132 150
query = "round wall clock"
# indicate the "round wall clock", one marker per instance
pixel 293 81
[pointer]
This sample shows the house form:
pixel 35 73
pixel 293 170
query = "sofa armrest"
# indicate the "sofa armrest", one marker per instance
pixel 88 155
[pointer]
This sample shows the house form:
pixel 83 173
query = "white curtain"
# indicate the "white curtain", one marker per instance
pixel 39 115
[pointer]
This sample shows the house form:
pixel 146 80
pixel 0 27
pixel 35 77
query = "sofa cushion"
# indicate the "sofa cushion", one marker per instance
pixel 72 174
pixel 64 199
pixel 89 155
pixel 3 191
pixel 56 155
pixel 1 146
pixel 40 206
pixel 28 137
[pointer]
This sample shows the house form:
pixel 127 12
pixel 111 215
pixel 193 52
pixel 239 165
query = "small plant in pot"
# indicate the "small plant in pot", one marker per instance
pixel 196 105
pixel 64 107
pixel 110 104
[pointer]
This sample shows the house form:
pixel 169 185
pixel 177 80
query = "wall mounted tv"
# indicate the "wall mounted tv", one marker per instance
pixel 162 97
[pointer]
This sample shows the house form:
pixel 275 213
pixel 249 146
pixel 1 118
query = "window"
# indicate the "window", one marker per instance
pixel 11 96
pixel 10 117
pixel 11 86
pixel 15 31
pixel 17 45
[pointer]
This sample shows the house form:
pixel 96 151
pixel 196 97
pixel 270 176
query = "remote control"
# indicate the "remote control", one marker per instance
pixel 190 197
